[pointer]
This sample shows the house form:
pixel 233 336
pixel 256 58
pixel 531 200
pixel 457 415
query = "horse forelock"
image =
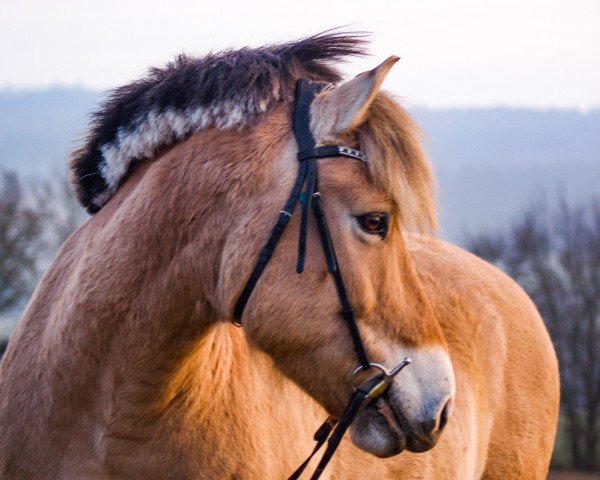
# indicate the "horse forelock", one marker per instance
pixel 226 90
pixel 398 164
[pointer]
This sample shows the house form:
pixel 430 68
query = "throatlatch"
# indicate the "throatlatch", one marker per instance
pixel 310 198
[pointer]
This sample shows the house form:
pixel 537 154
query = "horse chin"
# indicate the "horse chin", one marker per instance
pixel 377 431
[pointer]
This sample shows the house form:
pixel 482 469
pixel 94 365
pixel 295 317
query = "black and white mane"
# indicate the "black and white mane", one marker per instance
pixel 230 89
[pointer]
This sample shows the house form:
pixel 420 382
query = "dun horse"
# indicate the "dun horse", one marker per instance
pixel 126 363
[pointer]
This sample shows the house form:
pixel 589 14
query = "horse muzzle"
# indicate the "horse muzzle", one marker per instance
pixel 384 429
pixel 412 413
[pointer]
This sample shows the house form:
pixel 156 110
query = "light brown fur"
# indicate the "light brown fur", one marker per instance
pixel 125 363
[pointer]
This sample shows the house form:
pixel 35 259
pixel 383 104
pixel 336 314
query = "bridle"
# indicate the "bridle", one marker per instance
pixel 310 199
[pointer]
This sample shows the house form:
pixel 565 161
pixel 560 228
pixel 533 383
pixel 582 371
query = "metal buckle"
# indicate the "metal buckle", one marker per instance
pixel 380 387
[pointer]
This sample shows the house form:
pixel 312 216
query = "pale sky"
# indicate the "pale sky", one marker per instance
pixel 531 53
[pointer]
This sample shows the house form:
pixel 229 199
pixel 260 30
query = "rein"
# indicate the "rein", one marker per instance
pixel 331 431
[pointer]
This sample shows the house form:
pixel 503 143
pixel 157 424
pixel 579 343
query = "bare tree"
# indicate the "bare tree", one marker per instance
pixel 554 253
pixel 35 219
pixel 56 202
pixel 20 228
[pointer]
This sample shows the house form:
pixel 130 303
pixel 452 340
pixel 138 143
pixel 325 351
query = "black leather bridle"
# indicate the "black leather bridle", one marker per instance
pixel 310 199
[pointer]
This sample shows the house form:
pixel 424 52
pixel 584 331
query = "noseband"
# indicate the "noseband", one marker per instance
pixel 310 199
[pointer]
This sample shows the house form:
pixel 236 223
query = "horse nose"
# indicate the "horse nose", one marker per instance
pixel 434 426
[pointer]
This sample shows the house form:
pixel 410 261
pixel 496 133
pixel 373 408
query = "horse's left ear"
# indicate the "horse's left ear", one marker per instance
pixel 343 108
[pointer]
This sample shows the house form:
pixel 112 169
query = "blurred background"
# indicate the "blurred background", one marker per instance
pixel 507 93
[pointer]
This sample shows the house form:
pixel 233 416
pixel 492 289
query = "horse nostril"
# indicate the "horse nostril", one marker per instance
pixel 444 416
pixel 435 426
pixel 429 427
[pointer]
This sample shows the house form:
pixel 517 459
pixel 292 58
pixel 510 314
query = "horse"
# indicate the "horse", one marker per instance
pixel 127 364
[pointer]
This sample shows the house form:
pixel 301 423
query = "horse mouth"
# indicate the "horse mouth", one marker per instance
pixel 381 429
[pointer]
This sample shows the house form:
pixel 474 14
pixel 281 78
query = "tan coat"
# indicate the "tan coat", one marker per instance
pixel 125 364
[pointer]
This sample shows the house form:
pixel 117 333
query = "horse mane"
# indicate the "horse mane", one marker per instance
pixel 230 89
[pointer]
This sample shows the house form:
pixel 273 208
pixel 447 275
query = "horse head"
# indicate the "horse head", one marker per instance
pixel 295 318
pixel 224 160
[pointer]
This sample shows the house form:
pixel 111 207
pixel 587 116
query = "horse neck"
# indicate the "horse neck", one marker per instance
pixel 145 288
pixel 158 366
pixel 153 344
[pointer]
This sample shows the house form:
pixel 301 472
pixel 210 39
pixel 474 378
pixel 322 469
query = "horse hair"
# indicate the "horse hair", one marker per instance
pixel 230 89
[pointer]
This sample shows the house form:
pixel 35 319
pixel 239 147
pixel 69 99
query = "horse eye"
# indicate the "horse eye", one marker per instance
pixel 374 223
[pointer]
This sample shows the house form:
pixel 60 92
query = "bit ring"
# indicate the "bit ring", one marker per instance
pixel 377 366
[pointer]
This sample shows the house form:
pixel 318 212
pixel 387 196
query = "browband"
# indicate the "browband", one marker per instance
pixel 332 151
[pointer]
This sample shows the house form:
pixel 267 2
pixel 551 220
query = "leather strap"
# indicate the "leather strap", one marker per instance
pixel 332 151
pixel 306 200
pixel 358 399
pixel 332 265
pixel 267 251
pixel 310 199
pixel 320 437
pixel 305 93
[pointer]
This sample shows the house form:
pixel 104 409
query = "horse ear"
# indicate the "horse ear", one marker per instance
pixel 343 108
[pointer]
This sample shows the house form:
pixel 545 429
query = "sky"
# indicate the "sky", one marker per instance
pixel 459 53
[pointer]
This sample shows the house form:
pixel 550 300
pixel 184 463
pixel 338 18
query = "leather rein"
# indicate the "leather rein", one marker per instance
pixel 331 431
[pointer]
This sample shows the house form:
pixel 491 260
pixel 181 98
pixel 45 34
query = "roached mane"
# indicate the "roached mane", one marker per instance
pixel 224 90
